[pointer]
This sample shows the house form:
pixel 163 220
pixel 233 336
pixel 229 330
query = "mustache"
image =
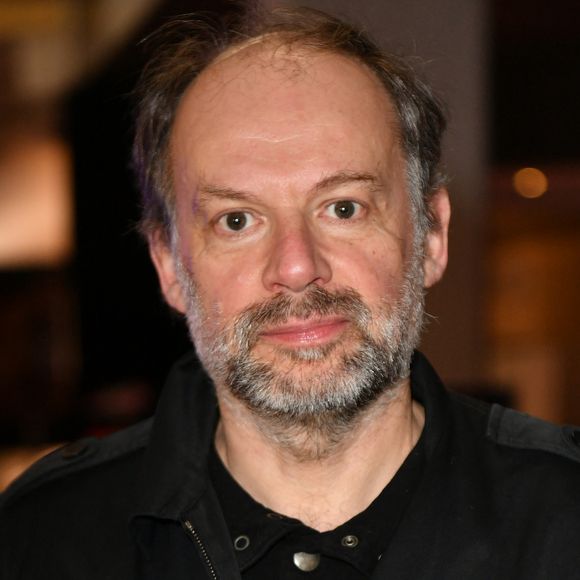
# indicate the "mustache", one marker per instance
pixel 316 301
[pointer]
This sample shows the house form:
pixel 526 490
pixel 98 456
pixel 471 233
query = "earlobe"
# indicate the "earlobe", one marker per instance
pixel 166 268
pixel 436 239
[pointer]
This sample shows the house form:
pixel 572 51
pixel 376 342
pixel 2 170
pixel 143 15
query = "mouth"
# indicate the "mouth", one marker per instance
pixel 301 333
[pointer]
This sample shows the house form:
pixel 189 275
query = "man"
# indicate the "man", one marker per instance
pixel 295 214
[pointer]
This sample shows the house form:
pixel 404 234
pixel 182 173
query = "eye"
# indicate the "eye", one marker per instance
pixel 344 209
pixel 236 221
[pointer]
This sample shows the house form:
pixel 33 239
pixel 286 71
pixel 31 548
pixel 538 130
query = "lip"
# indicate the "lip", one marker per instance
pixel 306 332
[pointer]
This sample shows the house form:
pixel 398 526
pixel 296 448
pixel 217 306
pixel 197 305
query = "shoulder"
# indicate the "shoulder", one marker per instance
pixel 520 431
pixel 520 474
pixel 491 435
pixel 82 456
pixel 517 431
pixel 69 511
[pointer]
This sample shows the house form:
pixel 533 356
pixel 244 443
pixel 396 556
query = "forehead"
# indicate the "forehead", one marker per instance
pixel 271 101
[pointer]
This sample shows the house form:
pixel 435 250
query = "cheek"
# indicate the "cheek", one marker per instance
pixel 375 270
pixel 226 282
pixel 227 287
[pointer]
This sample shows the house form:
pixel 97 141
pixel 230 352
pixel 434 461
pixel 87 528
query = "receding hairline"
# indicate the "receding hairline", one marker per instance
pixel 293 55
pixel 291 47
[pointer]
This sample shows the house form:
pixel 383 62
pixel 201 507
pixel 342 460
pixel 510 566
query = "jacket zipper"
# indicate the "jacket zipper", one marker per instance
pixel 188 527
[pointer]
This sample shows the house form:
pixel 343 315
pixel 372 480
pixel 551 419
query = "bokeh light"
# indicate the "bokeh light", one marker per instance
pixel 530 182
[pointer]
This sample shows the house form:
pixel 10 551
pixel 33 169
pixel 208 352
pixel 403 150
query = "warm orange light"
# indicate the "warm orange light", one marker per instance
pixel 530 182
pixel 36 214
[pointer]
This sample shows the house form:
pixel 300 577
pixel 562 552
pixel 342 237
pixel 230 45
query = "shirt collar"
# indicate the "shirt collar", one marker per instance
pixel 175 463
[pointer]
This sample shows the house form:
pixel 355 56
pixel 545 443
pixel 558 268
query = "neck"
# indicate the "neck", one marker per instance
pixel 321 478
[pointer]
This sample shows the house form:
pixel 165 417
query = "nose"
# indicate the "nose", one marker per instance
pixel 295 260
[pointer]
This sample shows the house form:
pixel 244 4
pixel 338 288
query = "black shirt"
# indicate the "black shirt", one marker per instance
pixel 269 545
pixel 498 498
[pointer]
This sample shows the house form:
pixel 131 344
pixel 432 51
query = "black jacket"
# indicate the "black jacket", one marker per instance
pixel 499 498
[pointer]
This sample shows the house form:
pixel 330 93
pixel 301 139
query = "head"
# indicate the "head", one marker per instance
pixel 294 210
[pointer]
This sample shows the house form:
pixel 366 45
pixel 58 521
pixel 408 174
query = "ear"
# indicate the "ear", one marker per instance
pixel 436 239
pixel 164 263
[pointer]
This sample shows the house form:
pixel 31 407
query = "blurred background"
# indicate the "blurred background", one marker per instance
pixel 85 339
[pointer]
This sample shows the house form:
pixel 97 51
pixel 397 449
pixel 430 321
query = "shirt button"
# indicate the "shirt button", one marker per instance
pixel 306 562
pixel 349 541
pixel 241 543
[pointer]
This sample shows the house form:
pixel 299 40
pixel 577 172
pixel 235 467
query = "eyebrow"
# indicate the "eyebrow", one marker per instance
pixel 347 177
pixel 208 191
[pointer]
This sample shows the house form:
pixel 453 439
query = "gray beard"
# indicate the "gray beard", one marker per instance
pixel 310 414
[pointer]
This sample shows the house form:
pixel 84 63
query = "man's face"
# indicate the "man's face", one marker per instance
pixel 295 245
